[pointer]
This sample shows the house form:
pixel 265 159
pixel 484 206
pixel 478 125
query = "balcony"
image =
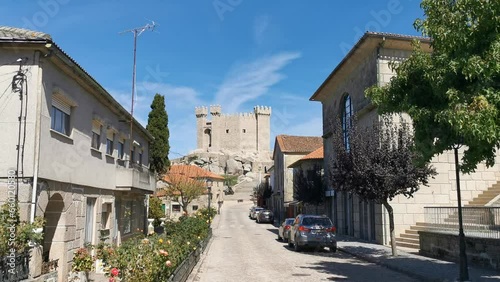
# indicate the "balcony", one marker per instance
pixel 135 178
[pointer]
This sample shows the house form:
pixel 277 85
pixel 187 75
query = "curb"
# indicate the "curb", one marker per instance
pixel 392 267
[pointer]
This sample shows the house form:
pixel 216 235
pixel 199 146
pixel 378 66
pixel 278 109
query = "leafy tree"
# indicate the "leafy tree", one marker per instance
pixel 186 189
pixel 155 210
pixel 308 187
pixel 451 94
pixel 379 164
pixel 158 127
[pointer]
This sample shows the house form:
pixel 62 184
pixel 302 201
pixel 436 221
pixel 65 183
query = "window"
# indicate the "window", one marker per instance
pixel 96 135
pixel 195 207
pixel 140 158
pixel 346 120
pixel 127 216
pixel 121 149
pixel 60 121
pixel 109 143
pixel 176 208
pixel 244 131
pixel 132 155
pixel 227 130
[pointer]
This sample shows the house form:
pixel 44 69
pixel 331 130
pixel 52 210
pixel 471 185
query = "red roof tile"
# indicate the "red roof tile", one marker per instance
pixel 317 154
pixel 298 144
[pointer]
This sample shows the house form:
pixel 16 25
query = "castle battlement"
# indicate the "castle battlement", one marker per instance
pixel 262 110
pixel 245 131
pixel 201 111
pixel 215 110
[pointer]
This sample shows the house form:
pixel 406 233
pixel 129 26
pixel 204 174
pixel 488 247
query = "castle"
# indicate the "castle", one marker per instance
pixel 248 132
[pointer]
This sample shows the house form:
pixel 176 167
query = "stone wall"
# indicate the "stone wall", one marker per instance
pixel 482 252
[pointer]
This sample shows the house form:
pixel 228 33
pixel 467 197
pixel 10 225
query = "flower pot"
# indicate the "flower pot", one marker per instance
pixel 80 276
pixel 151 228
pixel 99 266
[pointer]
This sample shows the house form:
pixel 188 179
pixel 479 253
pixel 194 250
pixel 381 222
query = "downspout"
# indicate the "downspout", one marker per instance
pixel 38 92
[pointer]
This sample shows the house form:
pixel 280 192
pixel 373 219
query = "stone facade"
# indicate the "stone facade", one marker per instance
pixel 247 132
pixel 482 252
pixel 366 65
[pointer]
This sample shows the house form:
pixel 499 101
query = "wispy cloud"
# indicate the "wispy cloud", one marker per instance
pixel 175 96
pixel 260 27
pixel 249 81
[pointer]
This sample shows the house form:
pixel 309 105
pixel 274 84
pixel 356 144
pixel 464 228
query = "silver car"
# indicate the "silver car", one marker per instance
pixel 312 231
pixel 284 230
pixel 254 211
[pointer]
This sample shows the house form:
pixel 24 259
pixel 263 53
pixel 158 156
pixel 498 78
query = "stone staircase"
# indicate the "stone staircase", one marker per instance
pixel 410 238
pixel 242 191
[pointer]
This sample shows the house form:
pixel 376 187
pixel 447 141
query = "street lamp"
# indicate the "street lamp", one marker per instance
pixel 209 188
pixel 464 272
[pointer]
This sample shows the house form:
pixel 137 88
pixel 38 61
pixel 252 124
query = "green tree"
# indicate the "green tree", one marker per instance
pixel 308 187
pixel 155 210
pixel 378 165
pixel 158 127
pixel 451 94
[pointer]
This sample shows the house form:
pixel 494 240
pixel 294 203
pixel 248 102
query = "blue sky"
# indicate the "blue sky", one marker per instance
pixel 236 53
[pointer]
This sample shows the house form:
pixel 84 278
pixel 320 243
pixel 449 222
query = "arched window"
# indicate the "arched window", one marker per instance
pixel 346 119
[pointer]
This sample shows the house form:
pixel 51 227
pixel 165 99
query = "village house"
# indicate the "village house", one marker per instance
pixel 342 95
pixel 81 159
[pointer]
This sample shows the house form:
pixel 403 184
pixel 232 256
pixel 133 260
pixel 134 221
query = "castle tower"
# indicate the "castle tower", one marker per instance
pixel 263 128
pixel 215 112
pixel 203 132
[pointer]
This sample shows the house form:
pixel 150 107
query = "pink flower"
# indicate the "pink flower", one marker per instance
pixel 163 253
pixel 111 279
pixel 168 263
pixel 115 271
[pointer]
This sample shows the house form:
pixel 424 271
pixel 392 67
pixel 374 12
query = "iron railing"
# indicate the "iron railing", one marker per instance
pixel 482 222
pixel 16 268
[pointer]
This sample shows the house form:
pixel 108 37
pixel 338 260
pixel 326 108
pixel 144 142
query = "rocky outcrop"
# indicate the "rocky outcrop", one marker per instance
pixel 244 164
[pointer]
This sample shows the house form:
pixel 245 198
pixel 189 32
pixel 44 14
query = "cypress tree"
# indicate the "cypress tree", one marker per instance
pixel 158 127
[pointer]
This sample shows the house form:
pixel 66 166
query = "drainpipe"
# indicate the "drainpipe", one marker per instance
pixel 38 92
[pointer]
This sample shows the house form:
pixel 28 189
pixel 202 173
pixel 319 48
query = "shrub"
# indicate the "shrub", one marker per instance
pixel 24 230
pixel 82 260
pixel 155 258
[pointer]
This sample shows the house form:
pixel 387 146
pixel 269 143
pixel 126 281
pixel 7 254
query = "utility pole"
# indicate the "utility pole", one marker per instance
pixel 136 31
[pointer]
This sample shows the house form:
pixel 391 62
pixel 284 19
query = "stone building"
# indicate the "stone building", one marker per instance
pixel 82 169
pixel 247 132
pixel 342 95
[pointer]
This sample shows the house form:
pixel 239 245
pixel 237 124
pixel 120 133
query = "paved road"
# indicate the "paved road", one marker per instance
pixel 242 250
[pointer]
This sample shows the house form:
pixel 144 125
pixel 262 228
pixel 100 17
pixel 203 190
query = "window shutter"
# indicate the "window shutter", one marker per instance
pixel 96 127
pixel 61 104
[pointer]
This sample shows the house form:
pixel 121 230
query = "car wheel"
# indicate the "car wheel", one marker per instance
pixel 279 238
pixel 290 245
pixel 286 240
pixel 333 249
pixel 296 246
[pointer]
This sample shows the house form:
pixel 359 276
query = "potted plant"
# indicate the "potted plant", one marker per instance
pixel 82 264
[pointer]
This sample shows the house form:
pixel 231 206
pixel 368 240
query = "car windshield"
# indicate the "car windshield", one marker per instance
pixel 323 221
pixel 289 221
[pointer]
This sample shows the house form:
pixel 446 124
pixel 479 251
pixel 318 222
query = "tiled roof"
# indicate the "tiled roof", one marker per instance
pixel 314 155
pixel 24 34
pixel 317 154
pixel 298 144
pixel 191 171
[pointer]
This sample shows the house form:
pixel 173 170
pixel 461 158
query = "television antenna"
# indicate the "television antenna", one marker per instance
pixel 137 32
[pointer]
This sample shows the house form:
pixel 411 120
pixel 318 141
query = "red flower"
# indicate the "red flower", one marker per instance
pixel 115 271
pixel 111 279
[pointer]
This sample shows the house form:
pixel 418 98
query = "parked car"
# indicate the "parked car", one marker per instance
pixel 265 216
pixel 284 229
pixel 253 211
pixel 312 231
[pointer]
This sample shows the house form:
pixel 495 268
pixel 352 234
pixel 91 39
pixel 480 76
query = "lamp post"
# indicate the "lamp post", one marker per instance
pixel 209 188
pixel 464 272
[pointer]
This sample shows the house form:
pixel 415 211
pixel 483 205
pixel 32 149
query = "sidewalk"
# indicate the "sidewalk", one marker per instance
pixel 419 267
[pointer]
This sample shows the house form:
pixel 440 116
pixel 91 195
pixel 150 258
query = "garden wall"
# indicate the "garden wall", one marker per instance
pixel 482 252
